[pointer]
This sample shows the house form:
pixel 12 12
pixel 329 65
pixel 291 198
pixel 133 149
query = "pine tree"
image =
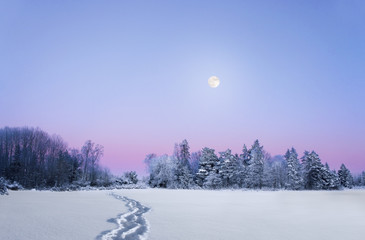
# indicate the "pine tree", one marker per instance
pixel 238 171
pixel 213 181
pixel 209 162
pixel 230 169
pixel 246 155
pixel 330 179
pixel 294 178
pixel 256 166
pixel 245 159
pixel 313 171
pixel 345 177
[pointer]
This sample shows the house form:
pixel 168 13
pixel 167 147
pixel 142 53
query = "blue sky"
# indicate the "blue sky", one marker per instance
pixel 132 75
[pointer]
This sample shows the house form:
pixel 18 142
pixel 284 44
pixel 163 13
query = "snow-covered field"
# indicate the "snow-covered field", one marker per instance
pixel 42 215
pixel 183 215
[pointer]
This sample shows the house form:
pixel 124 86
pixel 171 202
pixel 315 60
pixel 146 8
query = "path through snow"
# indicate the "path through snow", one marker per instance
pixel 131 225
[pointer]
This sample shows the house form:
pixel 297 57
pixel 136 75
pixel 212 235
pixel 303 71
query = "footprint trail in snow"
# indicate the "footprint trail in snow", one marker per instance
pixel 131 225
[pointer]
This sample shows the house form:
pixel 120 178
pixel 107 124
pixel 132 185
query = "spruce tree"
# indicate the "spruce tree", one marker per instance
pixel 213 181
pixel 208 163
pixel 330 179
pixel 256 166
pixel 345 177
pixel 230 169
pixel 313 171
pixel 294 178
pixel 363 178
pixel 245 159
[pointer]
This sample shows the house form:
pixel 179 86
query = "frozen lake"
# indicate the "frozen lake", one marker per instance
pixel 183 214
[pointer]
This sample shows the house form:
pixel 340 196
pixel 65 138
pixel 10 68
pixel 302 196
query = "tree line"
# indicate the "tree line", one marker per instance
pixel 35 159
pixel 254 168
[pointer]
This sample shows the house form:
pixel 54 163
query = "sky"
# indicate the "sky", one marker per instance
pixel 133 76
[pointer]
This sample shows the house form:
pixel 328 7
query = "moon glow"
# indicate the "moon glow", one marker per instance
pixel 213 81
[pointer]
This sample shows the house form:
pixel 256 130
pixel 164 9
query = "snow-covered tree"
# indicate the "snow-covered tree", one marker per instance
pixel 35 159
pixel 330 178
pixel 130 177
pixel 149 161
pixel 245 158
pixel 345 177
pixel 275 173
pixel 313 171
pixel 238 171
pixel 194 162
pixel 184 179
pixel 184 154
pixel 209 162
pixel 213 181
pixel 161 171
pixel 230 169
pixel 183 175
pixel 91 154
pixel 256 166
pixel 294 176
pixel 3 188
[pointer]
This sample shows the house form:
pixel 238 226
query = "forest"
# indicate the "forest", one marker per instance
pixel 31 158
pixel 254 168
pixel 34 159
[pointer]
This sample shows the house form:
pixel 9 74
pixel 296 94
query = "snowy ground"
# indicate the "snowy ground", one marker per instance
pixel 44 215
pixel 183 215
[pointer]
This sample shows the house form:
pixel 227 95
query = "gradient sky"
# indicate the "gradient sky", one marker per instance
pixel 132 75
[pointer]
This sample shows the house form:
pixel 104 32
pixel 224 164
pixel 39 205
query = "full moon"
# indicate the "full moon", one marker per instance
pixel 213 81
